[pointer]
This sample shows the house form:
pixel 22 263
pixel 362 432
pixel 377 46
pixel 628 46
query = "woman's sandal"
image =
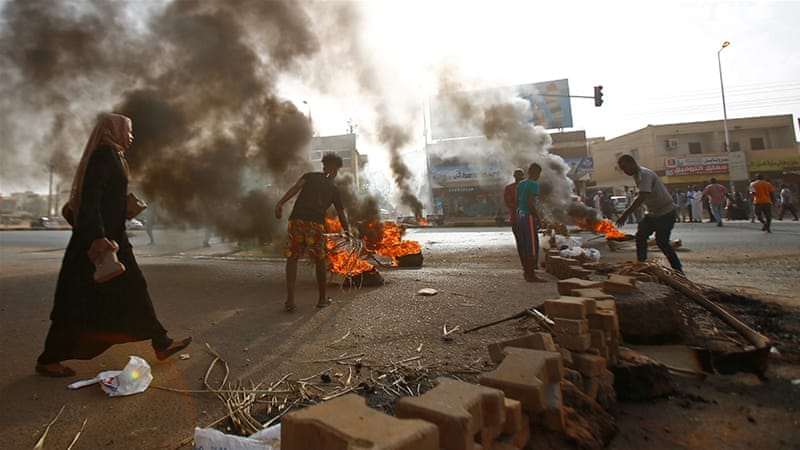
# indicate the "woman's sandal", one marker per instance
pixel 173 348
pixel 328 302
pixel 56 370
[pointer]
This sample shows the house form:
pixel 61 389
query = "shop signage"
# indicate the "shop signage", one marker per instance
pixel 696 165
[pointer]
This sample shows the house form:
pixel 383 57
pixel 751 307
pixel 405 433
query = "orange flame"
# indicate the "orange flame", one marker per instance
pixel 422 221
pixel 391 242
pixel 342 262
pixel 602 226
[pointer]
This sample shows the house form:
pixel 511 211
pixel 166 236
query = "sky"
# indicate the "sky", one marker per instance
pixel 657 63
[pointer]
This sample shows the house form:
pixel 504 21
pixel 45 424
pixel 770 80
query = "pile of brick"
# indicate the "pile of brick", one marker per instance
pixel 563 267
pixel 521 395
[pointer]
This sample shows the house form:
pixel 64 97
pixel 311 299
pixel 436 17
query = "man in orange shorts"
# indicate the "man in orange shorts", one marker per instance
pixel 307 224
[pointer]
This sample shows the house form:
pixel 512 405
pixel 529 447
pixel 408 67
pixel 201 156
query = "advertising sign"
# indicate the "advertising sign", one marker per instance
pixel 459 114
pixel 694 166
pixel 580 166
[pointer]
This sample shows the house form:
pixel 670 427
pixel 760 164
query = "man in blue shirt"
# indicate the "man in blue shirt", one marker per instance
pixel 528 222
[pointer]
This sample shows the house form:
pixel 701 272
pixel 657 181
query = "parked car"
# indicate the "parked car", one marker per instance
pixel 134 224
pixel 620 202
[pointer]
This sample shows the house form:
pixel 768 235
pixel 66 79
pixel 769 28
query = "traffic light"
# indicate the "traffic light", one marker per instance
pixel 598 95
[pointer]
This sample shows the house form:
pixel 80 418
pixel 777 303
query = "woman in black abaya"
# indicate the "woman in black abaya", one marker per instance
pixel 89 317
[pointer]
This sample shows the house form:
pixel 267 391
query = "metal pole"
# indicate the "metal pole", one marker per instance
pixel 724 110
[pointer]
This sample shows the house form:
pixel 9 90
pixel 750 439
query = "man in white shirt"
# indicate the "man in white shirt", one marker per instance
pixel 661 211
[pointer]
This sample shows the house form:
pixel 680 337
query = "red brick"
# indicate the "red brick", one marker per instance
pixel 589 303
pixel 594 293
pixel 535 341
pixel 604 320
pixel 619 284
pixel 574 342
pixel 461 410
pixel 565 308
pixel 589 365
pixel 346 423
pixel 567 285
pixel 570 326
pixel 524 376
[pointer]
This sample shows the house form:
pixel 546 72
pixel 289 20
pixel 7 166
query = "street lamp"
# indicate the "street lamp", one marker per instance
pixel 724 109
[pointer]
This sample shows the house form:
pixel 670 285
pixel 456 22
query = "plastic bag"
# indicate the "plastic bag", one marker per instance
pixel 209 438
pixel 133 379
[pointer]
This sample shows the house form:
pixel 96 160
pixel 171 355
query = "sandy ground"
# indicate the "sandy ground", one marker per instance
pixel 236 307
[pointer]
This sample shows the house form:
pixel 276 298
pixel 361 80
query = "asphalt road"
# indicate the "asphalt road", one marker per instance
pixel 234 304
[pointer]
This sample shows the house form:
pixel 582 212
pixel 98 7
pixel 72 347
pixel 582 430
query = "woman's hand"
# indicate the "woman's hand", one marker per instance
pixel 98 247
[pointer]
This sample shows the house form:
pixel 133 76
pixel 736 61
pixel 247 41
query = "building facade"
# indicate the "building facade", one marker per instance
pixel 685 154
pixel 344 146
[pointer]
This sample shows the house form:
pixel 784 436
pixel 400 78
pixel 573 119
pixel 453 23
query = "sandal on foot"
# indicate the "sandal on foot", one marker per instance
pixel 54 370
pixel 173 348
pixel 289 308
pixel 328 302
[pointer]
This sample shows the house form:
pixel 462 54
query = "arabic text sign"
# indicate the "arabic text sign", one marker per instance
pixel 698 165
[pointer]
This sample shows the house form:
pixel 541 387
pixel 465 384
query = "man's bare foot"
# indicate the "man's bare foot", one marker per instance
pixel 325 303
pixel 289 307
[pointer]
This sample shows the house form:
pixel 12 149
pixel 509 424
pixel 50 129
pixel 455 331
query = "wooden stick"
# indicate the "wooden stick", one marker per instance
pixel 755 338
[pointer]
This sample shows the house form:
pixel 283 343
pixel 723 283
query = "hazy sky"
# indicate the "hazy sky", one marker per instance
pixel 657 62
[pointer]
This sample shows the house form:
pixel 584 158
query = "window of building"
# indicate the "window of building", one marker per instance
pixel 757 143
pixel 736 147
pixel 695 147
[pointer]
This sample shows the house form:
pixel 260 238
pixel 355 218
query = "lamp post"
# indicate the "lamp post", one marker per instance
pixel 722 88
pixel 725 112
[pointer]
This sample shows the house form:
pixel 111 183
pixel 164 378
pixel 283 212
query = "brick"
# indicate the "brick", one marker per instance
pixel 598 339
pixel 553 417
pixel 589 365
pixel 570 326
pixel 579 272
pixel 591 387
pixel 605 321
pixel 594 293
pixel 574 342
pixel 516 440
pixel 566 308
pixel 460 410
pixel 524 375
pixel 589 303
pixel 347 422
pixel 535 341
pixel 566 286
pixel 566 357
pixel 619 284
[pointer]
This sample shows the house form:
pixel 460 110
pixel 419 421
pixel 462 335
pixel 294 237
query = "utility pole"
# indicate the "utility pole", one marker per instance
pixel 50 194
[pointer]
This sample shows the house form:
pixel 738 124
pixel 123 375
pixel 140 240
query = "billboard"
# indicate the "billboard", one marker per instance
pixel 458 114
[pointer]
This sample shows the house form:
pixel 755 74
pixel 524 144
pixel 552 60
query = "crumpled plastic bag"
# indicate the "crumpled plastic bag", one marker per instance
pixel 266 439
pixel 572 252
pixel 133 379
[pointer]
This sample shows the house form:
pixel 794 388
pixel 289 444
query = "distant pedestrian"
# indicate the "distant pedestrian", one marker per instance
pixel 716 194
pixel 762 198
pixel 528 221
pixel 683 206
pixel 696 204
pixel 786 202
pixel 661 211
pixel 307 224
pixel 510 199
